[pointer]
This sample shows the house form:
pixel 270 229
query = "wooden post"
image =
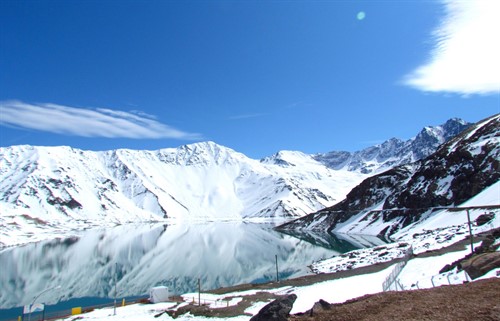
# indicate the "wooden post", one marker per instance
pixel 199 292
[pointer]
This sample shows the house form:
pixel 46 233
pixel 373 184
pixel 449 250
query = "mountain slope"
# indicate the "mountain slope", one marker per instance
pixel 385 203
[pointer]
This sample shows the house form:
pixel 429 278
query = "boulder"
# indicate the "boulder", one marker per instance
pixel 278 310
pixel 481 264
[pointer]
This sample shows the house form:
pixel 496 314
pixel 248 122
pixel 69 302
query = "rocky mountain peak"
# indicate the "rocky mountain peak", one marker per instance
pixel 201 153
pixel 394 151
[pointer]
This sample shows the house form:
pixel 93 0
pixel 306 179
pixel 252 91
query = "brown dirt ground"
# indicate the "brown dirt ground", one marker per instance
pixel 478 300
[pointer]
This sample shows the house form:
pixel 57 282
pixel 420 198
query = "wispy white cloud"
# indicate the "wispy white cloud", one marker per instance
pixel 86 122
pixel 466 54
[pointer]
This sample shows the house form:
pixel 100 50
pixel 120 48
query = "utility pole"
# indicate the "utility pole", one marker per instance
pixel 116 269
pixel 36 297
pixel 277 274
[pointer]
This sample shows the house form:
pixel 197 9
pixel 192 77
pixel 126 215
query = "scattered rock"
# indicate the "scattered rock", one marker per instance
pixel 486 245
pixel 383 254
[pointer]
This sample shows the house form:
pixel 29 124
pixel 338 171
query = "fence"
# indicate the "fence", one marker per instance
pixel 447 278
pixel 220 303
pixel 391 279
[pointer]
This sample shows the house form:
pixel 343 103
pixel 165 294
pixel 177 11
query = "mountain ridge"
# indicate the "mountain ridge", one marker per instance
pixel 394 151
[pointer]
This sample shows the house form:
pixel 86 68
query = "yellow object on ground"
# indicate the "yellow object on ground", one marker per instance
pixel 75 311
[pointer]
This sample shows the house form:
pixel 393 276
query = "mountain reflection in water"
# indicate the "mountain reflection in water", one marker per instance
pixel 143 256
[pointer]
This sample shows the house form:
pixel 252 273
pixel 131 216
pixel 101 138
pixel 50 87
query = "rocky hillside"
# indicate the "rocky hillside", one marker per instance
pixel 387 202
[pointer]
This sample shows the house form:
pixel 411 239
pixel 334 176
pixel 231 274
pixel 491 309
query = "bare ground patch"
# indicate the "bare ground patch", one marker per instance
pixel 479 301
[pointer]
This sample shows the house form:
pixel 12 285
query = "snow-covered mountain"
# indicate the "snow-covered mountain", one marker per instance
pixel 394 151
pixel 48 189
pixel 407 194
pixel 47 186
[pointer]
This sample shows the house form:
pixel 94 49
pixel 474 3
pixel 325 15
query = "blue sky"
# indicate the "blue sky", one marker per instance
pixel 256 76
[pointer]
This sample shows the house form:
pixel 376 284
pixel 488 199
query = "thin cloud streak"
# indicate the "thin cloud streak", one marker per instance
pixel 466 55
pixel 100 122
pixel 294 105
pixel 373 142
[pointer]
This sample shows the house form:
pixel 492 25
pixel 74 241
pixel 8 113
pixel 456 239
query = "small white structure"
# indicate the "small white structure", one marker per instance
pixel 158 294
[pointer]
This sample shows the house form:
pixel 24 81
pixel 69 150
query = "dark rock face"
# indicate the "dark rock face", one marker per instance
pixel 71 203
pixel 457 171
pixel 278 310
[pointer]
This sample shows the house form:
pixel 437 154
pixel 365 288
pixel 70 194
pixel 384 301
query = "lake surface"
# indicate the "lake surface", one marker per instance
pixel 139 257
